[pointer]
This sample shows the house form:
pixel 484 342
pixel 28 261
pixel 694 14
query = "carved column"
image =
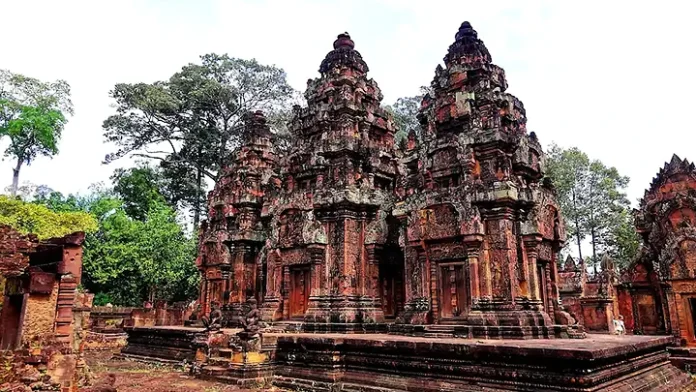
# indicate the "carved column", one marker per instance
pixel 286 292
pixel 205 308
pixel 531 246
pixel 371 272
pixel 316 259
pixel 433 283
pixel 473 244
pixel 502 254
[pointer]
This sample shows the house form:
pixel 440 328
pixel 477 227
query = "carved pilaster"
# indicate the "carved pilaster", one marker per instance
pixel 473 244
pixel 531 246
pixel 286 292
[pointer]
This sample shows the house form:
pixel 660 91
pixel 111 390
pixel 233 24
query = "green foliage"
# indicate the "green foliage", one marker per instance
pixel 102 299
pixel 139 252
pixel 32 117
pixel 594 204
pixel 132 260
pixel 140 189
pixel 404 111
pixel 40 220
pixel 192 121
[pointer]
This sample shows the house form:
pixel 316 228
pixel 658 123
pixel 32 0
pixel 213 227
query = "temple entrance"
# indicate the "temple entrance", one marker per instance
pixel 647 314
pixel 12 313
pixel 391 287
pixel 453 290
pixel 692 306
pixel 300 285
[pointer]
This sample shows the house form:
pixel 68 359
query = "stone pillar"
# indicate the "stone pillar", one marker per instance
pixel 286 292
pixel 271 308
pixel 473 244
pixel 316 258
pixel 371 271
pixel 502 256
pixel 418 302
pixel 531 246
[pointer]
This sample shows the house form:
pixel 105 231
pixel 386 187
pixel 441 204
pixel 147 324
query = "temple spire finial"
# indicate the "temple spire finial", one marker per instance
pixel 344 41
pixel 467 47
pixel 343 55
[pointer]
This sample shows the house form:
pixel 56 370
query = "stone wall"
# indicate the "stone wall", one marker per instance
pixel 39 315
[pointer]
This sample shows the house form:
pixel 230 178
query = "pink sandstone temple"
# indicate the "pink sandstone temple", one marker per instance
pixel 347 232
pixel 427 267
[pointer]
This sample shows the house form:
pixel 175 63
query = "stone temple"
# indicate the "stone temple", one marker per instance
pixel 425 268
pixel 348 233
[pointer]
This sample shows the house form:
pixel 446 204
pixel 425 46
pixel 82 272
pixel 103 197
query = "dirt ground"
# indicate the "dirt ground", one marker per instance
pixel 140 377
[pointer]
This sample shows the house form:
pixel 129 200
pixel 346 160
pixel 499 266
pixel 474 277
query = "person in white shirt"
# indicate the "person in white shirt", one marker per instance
pixel 619 327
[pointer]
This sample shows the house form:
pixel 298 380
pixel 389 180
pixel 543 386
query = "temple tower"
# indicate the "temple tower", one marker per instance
pixel 666 222
pixel 232 241
pixel 482 232
pixel 330 221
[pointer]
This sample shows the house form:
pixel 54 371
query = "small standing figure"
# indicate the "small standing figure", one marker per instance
pixel 619 327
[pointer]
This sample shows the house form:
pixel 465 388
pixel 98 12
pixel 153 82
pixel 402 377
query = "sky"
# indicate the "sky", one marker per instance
pixel 613 78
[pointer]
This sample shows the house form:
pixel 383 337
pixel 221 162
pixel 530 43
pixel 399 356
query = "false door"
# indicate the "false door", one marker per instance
pixel 299 290
pixel 453 291
pixel 391 288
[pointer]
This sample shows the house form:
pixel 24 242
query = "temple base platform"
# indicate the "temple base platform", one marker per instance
pixel 393 363
pixel 684 358
pixel 166 344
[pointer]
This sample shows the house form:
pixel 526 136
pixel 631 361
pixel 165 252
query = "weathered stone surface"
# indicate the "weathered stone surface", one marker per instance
pixel 346 233
pixel 452 239
pixel 43 315
pixel 656 294
pixel 379 363
pixel 590 299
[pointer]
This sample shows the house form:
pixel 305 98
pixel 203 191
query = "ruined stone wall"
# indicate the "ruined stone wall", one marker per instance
pixel 39 315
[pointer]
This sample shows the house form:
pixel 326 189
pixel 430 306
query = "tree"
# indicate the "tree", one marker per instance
pixel 132 261
pixel 139 188
pixel 191 122
pixel 568 170
pixel 32 115
pixel 127 260
pixel 593 201
pixel 622 241
pixel 40 220
pixel 405 111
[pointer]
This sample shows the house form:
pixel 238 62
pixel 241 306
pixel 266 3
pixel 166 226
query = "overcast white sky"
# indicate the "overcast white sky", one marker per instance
pixel 614 78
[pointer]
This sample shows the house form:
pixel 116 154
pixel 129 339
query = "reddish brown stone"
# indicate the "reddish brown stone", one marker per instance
pixel 657 290
pixel 457 230
pixel 42 316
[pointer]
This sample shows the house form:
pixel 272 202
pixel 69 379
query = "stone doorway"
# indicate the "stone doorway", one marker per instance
pixel 391 287
pixel 692 308
pixel 12 317
pixel 300 285
pixel 453 291
pixel 647 314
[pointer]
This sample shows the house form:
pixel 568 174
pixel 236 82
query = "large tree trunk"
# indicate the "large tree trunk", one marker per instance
pixel 577 229
pixel 594 249
pixel 15 177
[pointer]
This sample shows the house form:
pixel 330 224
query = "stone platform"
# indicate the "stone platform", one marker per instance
pixel 164 344
pixel 371 363
pixel 392 363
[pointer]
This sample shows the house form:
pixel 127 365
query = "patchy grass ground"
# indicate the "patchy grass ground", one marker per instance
pixel 140 377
